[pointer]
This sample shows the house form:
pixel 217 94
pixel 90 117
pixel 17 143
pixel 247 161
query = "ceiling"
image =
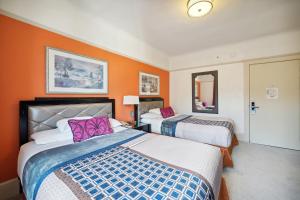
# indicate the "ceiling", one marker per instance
pixel 164 24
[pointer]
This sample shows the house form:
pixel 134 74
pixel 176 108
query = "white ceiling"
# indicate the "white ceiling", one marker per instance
pixel 164 24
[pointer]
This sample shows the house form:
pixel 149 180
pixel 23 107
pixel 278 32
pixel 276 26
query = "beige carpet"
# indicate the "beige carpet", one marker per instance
pixel 263 172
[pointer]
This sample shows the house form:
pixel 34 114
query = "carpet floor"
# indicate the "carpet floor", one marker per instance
pixel 263 172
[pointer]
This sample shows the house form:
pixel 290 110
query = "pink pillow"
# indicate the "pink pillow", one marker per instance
pixel 167 112
pixel 87 128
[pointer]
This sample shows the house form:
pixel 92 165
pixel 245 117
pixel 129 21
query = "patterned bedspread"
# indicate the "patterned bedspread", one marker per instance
pixel 168 126
pixel 116 172
pixel 195 120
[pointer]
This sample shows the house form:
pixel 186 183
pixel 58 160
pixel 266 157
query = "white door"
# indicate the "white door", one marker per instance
pixel 275 89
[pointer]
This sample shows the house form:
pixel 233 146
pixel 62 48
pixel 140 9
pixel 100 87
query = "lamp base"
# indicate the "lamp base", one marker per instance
pixel 133 123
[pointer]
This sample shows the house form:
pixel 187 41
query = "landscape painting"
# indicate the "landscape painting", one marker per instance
pixel 148 84
pixel 71 73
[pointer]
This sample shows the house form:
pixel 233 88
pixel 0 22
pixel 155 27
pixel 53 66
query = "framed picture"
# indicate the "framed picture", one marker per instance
pixel 149 84
pixel 76 74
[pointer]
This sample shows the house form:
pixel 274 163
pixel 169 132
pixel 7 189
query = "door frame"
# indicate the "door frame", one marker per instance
pixel 247 65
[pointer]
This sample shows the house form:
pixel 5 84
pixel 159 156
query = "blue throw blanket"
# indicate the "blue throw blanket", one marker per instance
pixel 168 126
pixel 105 170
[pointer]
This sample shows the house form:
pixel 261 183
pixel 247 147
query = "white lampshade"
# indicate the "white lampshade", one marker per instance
pixel 131 100
pixel 198 8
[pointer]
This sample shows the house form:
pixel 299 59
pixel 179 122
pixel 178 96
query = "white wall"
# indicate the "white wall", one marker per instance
pixel 230 87
pixel 233 78
pixel 64 18
pixel 263 47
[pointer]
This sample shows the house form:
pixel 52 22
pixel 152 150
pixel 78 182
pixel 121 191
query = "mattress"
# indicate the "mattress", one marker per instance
pixel 214 135
pixel 201 158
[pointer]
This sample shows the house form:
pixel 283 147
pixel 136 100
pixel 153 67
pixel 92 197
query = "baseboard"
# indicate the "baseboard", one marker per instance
pixel 9 188
pixel 242 137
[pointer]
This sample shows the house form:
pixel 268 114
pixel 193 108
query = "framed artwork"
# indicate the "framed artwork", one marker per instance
pixel 71 73
pixel 148 84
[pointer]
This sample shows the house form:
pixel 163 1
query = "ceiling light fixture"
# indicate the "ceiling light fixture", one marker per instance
pixel 198 8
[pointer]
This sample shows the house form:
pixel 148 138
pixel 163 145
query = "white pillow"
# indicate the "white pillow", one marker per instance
pixel 150 116
pixel 119 128
pixel 49 136
pixel 63 125
pixel 114 123
pixel 155 111
pixel 146 120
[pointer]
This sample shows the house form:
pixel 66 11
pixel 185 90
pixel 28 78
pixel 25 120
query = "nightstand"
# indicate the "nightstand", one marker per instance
pixel 143 127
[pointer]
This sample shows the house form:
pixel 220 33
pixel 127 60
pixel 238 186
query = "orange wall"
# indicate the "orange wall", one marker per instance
pixel 22 77
pixel 199 89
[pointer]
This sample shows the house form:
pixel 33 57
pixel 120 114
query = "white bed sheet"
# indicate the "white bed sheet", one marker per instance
pixel 214 135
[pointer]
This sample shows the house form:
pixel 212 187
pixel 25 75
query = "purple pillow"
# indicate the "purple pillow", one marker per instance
pixel 87 128
pixel 167 112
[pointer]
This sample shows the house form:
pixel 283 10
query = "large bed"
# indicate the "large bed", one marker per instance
pixel 214 131
pixel 127 164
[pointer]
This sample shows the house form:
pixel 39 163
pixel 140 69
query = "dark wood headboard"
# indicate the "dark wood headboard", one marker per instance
pixel 147 102
pixel 44 103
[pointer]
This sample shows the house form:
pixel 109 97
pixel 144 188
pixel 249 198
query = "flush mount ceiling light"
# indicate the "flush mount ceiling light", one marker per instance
pixel 198 8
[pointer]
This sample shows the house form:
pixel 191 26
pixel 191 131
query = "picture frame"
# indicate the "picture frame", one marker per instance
pixel 70 73
pixel 149 84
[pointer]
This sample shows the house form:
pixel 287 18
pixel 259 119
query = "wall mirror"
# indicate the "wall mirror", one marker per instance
pixel 205 92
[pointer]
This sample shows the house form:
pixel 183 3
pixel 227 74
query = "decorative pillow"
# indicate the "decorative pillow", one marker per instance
pixel 87 128
pixel 167 112
pixel 63 125
pixel 151 116
pixel 155 111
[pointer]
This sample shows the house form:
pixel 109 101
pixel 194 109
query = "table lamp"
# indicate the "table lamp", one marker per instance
pixel 131 100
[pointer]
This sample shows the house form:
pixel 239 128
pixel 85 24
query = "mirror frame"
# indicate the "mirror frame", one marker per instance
pixel 216 109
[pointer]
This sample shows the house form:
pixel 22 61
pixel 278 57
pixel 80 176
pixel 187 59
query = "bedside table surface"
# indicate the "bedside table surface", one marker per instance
pixel 140 124
pixel 143 126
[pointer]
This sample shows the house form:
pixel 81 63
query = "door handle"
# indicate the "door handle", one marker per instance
pixel 253 106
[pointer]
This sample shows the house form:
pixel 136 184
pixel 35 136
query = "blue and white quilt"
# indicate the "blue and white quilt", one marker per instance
pixel 168 126
pixel 103 169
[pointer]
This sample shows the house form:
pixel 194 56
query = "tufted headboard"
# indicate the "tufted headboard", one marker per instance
pixel 43 113
pixel 146 104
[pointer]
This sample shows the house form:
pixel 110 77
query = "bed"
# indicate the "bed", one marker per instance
pixel 121 165
pixel 214 131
